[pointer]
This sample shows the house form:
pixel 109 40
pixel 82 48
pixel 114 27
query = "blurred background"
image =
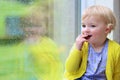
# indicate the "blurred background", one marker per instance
pixel 36 36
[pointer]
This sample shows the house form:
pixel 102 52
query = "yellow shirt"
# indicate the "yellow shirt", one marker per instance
pixel 76 62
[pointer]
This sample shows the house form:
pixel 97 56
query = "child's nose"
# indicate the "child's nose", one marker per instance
pixel 86 30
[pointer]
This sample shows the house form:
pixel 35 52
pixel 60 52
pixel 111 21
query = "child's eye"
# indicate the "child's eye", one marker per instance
pixel 93 26
pixel 83 26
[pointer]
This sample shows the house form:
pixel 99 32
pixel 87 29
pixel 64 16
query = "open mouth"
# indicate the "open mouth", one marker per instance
pixel 88 37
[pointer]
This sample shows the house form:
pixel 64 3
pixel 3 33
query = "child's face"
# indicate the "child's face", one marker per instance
pixel 95 28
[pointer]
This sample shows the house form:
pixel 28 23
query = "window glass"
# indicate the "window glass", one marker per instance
pixel 28 50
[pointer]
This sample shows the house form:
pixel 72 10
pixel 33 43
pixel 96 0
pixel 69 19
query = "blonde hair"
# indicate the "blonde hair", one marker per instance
pixel 102 12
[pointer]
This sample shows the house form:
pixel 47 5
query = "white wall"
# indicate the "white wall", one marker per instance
pixel 108 3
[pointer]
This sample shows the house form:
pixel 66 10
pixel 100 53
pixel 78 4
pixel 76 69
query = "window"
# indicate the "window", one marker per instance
pixel 29 52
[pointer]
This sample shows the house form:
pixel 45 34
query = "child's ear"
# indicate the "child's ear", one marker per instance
pixel 108 28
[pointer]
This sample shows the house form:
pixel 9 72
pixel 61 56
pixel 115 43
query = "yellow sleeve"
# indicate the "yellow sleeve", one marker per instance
pixel 116 73
pixel 73 61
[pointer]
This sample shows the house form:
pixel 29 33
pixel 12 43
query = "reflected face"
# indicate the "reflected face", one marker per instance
pixel 34 30
pixel 94 28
